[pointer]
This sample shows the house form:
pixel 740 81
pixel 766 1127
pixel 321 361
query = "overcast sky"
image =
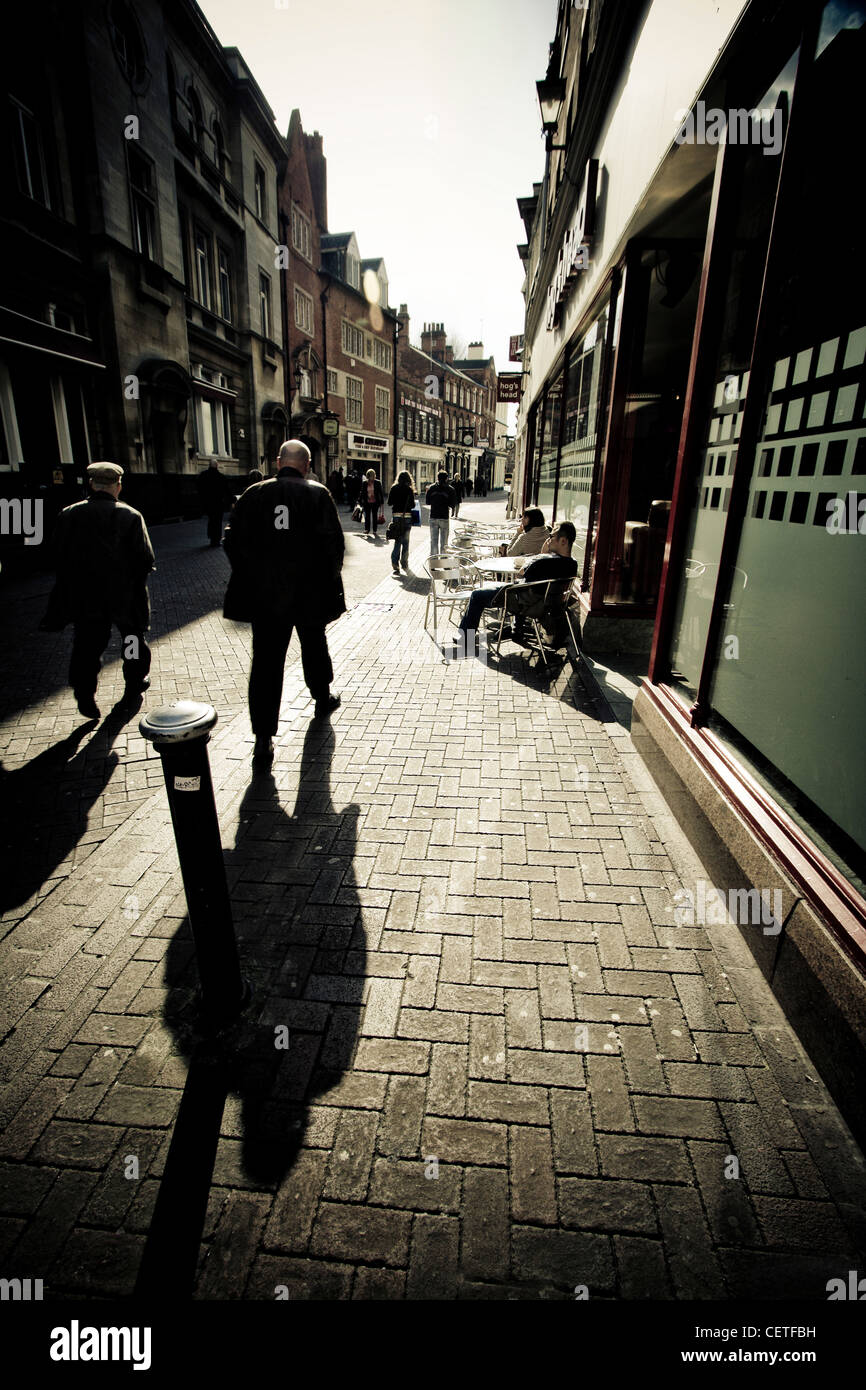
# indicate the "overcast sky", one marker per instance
pixel 431 131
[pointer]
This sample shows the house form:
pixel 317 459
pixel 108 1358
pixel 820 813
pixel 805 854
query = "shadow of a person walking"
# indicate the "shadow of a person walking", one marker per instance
pixel 45 805
pixel 302 946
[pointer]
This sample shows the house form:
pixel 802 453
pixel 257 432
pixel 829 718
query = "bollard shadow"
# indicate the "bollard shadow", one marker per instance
pixel 302 948
pixel 46 803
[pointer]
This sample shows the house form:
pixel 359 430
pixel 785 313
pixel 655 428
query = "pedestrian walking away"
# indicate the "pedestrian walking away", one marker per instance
pixel 337 486
pixel 353 488
pixel 103 556
pixel 440 500
pixel 216 497
pixel 372 500
pixel 457 489
pixel 285 546
pixel 468 485
pixel 401 500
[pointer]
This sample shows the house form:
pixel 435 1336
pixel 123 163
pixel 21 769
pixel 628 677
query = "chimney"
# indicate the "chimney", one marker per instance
pixel 403 324
pixel 449 354
pixel 475 352
pixel 318 170
pixel 433 341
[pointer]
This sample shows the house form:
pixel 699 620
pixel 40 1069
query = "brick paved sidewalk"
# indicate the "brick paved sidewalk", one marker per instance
pixel 508 1072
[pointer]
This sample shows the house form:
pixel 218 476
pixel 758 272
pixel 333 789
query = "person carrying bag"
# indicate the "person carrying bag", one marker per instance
pixel 373 501
pixel 401 500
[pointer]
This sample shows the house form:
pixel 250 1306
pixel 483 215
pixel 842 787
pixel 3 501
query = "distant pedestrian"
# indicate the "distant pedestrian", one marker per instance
pixel 353 488
pixel 337 486
pixel 216 497
pixel 372 499
pixel 468 485
pixel 457 489
pixel 440 500
pixel 285 545
pixel 103 556
pixel 401 499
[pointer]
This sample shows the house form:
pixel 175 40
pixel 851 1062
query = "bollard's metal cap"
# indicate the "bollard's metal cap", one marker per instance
pixel 177 723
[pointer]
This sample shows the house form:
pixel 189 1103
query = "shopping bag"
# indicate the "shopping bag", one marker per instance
pixel 416 516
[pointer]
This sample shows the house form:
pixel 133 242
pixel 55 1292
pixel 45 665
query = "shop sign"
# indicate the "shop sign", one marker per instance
pixel 574 251
pixel 515 347
pixel 330 425
pixel 508 386
pixel 368 442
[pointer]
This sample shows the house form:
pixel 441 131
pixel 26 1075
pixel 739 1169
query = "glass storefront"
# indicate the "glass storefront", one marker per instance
pixel 567 442
pixel 583 385
pixel 710 479
pixel 783 679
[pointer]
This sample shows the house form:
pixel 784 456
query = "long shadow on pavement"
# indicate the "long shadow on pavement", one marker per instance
pixel 302 946
pixel 44 805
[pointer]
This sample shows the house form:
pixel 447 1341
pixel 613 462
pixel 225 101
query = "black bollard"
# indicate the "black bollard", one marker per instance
pixel 180 734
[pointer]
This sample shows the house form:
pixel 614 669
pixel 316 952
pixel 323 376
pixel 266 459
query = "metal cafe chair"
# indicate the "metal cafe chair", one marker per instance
pixel 551 601
pixel 445 570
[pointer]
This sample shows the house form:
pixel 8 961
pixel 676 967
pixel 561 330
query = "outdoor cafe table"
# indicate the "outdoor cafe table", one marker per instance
pixel 500 566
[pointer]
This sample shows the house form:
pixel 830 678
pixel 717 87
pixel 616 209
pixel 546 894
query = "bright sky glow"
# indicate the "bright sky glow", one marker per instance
pixel 431 131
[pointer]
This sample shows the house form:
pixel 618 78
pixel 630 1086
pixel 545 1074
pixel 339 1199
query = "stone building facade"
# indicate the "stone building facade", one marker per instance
pixel 144 161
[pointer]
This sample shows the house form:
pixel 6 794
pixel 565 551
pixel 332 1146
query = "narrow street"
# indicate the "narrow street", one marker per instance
pixel 509 1072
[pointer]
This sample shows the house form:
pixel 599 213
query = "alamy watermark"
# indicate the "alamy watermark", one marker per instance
pixel 710 906
pixel 22 517
pixel 703 125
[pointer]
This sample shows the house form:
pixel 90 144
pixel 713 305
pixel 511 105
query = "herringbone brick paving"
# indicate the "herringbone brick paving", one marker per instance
pixel 509 1072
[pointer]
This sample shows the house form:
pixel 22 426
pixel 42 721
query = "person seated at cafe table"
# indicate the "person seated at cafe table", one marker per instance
pixel 531 534
pixel 555 562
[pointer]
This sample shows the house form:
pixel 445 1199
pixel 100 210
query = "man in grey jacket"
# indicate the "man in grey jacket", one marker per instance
pixel 285 545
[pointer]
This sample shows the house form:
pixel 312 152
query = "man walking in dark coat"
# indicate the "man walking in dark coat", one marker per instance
pixel 353 487
pixel 103 556
pixel 285 544
pixel 216 498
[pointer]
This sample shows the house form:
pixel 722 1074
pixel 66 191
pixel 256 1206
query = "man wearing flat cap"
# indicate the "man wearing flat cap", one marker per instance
pixel 103 556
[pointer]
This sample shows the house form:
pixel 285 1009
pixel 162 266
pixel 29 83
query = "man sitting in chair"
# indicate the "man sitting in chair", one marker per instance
pixel 555 562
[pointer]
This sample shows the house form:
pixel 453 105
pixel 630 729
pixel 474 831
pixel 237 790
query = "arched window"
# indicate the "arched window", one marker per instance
pixel 171 80
pixel 195 121
pixel 127 40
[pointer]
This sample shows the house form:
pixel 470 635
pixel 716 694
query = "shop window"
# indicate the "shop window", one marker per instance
pixel 662 285
pixel 741 271
pixel 580 431
pixel 805 586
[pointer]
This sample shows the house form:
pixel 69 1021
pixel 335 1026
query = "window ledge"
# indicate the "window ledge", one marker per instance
pixel 146 291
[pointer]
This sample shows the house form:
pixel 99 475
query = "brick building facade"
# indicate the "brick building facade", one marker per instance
pixel 420 428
